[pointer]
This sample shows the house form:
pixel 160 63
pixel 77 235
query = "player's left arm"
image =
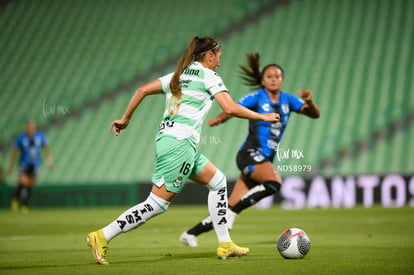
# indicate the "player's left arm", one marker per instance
pixel 46 150
pixel 310 108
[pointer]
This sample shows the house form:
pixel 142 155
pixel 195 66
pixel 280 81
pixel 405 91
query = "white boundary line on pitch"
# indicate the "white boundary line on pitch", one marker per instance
pixel 26 237
pixel 16 238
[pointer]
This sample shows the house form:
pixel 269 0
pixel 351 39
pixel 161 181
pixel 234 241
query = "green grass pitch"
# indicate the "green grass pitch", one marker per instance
pixel 343 241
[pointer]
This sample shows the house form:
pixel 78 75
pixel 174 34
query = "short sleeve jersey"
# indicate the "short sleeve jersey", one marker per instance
pixel 184 117
pixel 265 136
pixel 31 148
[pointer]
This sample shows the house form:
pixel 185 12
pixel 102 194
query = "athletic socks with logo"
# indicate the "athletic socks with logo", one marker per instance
pixel 217 205
pixel 254 195
pixel 136 216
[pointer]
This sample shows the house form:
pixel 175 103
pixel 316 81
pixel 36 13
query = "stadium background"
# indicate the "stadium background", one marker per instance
pixel 73 65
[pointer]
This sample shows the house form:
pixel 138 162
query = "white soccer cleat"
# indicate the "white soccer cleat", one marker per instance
pixel 231 217
pixel 188 239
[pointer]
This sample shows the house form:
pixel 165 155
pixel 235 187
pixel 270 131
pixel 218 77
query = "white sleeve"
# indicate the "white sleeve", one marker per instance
pixel 213 82
pixel 165 82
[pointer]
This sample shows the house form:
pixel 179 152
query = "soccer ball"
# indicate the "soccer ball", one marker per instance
pixel 293 243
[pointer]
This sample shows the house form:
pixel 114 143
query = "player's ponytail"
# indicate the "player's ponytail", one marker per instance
pixel 195 51
pixel 251 74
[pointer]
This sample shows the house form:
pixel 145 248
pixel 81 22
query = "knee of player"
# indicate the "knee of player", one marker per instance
pixel 156 204
pixel 272 186
pixel 218 181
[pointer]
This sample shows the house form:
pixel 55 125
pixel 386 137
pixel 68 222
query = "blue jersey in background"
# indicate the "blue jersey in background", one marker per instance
pixel 30 149
pixel 265 136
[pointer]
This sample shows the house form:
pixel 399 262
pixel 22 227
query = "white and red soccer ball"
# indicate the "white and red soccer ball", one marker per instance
pixel 293 243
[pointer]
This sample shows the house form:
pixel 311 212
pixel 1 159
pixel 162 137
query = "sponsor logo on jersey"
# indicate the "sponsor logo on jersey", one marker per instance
pixel 272 144
pixel 285 108
pixel 189 71
pixel 266 107
pixel 257 156
pixel 185 82
pixel 275 128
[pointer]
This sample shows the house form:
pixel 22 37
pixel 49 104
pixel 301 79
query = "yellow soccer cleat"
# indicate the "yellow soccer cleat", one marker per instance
pixel 15 205
pixel 25 209
pixel 230 249
pixel 96 240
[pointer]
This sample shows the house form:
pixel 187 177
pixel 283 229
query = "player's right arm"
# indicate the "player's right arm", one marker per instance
pixel 151 88
pixel 221 118
pixel 13 154
pixel 12 159
pixel 249 101
pixel 231 108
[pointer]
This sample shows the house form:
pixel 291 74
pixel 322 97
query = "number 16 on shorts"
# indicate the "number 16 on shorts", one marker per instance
pixel 185 169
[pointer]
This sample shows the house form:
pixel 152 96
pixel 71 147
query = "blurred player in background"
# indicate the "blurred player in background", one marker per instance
pixel 30 145
pixel 258 177
pixel 189 95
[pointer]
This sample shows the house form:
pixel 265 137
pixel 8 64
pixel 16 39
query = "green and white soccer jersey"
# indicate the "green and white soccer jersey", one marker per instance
pixel 184 117
pixel 178 157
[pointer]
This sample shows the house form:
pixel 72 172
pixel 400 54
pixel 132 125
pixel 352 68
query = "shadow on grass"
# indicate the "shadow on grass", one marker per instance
pixel 42 266
pixel 156 259
pixel 168 257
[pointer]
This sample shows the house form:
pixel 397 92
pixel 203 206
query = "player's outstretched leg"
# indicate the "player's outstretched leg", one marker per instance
pixel 254 195
pixel 217 206
pixel 130 219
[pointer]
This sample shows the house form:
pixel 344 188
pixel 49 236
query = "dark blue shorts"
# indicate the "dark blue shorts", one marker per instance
pixel 29 170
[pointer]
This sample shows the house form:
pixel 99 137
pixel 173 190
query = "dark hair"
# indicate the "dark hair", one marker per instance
pixel 251 74
pixel 195 51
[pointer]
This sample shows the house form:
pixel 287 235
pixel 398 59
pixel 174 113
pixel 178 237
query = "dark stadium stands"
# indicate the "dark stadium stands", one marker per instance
pixel 87 57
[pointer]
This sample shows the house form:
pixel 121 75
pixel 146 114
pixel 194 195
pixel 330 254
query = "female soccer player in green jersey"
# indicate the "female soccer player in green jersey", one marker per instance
pixel 189 95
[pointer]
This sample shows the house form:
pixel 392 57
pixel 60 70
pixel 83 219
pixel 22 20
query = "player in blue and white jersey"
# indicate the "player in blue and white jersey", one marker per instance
pixel 258 177
pixel 31 143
